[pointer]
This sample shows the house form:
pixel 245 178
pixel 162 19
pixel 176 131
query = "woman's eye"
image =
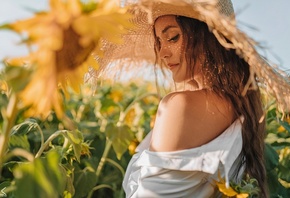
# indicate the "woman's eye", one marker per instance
pixel 173 39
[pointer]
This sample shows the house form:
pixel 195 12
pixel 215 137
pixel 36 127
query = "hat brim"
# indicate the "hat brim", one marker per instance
pixel 138 43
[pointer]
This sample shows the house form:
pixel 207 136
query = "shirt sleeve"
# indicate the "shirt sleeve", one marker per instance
pixel 183 173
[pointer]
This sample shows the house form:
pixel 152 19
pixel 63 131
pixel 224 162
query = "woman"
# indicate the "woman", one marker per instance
pixel 214 124
pixel 192 123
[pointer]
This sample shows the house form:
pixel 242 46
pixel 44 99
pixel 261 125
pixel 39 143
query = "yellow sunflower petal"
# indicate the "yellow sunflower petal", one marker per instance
pixel 18 61
pixel 29 24
pixel 59 11
pixel 109 6
pixel 64 37
pixel 53 39
pixel 110 19
pixel 243 195
pixel 75 8
pixel 117 96
pixel 86 27
pixel 221 184
pixel 74 80
pixel 41 96
pixel 226 191
pixel 281 129
pixel 3 86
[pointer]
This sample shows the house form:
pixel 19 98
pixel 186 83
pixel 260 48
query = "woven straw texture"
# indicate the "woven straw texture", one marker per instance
pixel 138 46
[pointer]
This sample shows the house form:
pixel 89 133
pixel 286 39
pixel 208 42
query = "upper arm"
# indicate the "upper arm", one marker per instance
pixel 189 119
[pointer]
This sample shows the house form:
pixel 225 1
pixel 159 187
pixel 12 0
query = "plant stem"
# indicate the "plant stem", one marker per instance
pixel 19 152
pixel 41 134
pixel 109 142
pixel 121 170
pixel 97 188
pixel 116 165
pixel 103 159
pixel 52 137
pixel 9 121
pixel 100 166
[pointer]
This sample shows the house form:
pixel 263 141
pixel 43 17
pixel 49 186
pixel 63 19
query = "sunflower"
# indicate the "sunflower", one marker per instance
pixel 64 41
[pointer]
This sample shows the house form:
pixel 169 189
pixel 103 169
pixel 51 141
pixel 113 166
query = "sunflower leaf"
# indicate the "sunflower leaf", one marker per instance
pixel 76 139
pixel 17 77
pixel 121 137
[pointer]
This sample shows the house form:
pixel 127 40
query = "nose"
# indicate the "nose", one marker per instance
pixel 165 52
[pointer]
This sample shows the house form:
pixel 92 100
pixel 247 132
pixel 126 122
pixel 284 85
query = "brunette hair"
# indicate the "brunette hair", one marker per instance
pixel 226 74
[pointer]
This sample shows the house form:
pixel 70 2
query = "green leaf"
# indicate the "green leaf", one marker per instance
pixel 121 138
pixel 19 141
pixel 29 125
pixel 41 178
pixel 18 136
pixel 251 187
pixel 84 181
pixel 4 187
pixel 76 139
pixel 89 6
pixel 275 187
pixel 284 167
pixel 69 187
pixel 9 166
pixel 284 173
pixel 75 136
pixel 17 77
pixel 286 125
pixel 271 157
pixel 3 100
pixel 275 140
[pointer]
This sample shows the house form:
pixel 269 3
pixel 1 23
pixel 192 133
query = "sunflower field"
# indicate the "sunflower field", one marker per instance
pixel 83 155
pixel 61 136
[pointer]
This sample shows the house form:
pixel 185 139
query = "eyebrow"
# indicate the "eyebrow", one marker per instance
pixel 168 27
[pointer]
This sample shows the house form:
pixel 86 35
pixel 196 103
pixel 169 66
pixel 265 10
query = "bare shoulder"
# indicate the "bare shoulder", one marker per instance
pixel 189 119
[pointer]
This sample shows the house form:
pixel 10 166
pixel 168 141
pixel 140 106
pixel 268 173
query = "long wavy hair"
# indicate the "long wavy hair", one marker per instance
pixel 226 74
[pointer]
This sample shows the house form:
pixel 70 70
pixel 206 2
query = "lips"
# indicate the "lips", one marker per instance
pixel 172 66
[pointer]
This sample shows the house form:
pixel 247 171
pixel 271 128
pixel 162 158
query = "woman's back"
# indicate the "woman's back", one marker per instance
pixel 187 172
pixel 190 119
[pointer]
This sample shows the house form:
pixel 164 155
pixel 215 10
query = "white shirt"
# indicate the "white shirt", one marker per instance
pixel 184 173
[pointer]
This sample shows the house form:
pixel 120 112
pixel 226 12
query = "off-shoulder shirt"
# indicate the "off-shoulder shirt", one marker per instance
pixel 185 173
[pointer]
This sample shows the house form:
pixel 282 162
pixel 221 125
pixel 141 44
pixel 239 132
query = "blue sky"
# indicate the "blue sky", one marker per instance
pixel 270 21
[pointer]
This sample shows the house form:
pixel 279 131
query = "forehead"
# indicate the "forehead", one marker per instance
pixel 164 23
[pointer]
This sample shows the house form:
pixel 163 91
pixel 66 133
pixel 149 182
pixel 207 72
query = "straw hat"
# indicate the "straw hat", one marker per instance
pixel 138 46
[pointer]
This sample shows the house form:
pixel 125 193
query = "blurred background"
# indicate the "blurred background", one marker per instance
pixel 266 21
pixel 86 152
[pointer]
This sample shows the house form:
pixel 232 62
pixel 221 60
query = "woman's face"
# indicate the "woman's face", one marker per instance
pixel 169 36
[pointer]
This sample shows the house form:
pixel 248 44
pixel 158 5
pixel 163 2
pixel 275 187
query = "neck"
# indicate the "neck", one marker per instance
pixel 188 85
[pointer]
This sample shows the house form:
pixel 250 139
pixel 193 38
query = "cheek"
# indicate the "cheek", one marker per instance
pixel 180 49
pixel 177 50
